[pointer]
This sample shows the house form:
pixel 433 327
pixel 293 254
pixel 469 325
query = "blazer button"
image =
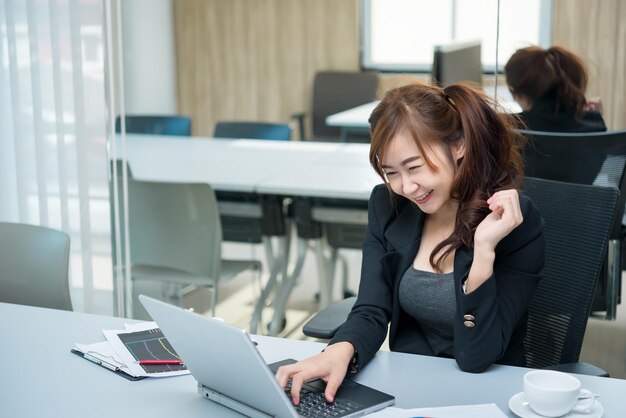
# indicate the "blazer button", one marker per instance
pixel 469 324
pixel 468 317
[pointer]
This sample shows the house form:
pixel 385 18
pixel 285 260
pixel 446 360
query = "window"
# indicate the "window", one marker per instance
pixel 400 35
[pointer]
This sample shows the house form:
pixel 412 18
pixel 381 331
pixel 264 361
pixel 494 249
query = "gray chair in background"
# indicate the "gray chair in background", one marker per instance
pixel 157 125
pixel 175 238
pixel 34 262
pixel 333 92
pixel 253 130
pixel 559 309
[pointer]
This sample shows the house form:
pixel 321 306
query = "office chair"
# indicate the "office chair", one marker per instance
pixel 34 262
pixel 156 125
pixel 175 237
pixel 251 228
pixel 253 130
pixel 587 158
pixel 254 219
pixel 333 92
pixel 560 307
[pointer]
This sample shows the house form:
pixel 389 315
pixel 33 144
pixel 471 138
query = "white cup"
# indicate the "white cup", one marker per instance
pixel 553 394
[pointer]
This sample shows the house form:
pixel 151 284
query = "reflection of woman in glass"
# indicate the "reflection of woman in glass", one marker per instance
pixel 452 252
pixel 549 85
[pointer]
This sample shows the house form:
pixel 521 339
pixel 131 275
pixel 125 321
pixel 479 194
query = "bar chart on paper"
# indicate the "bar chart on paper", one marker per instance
pixel 151 345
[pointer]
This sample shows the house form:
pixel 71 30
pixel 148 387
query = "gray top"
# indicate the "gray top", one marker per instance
pixel 429 298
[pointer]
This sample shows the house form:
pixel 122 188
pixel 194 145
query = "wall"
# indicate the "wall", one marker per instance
pixel 596 30
pixel 255 60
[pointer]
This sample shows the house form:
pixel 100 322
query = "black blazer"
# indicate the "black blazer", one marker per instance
pixel 544 117
pixel 498 307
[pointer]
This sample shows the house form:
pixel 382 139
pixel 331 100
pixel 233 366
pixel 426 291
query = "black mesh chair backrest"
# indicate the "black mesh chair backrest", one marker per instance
pixel 586 158
pixel 578 219
pixel 156 125
pixel 253 130
pixel 336 91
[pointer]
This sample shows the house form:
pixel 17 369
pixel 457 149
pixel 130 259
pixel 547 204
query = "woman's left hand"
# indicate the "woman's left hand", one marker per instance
pixel 505 216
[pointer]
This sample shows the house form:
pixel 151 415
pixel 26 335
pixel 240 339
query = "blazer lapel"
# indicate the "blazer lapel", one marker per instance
pixel 406 228
pixel 403 237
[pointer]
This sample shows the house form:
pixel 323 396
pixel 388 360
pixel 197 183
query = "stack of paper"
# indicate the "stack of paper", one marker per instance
pixel 125 351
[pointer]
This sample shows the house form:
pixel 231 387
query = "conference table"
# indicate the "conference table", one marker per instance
pixel 43 379
pixel 289 169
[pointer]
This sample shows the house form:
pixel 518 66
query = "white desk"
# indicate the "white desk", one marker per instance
pixel 228 165
pixel 356 118
pixel 352 118
pixel 343 172
pixel 283 168
pixel 41 378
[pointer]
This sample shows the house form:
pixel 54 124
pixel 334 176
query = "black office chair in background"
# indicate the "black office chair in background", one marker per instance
pixel 597 158
pixel 259 216
pixel 560 307
pixel 255 219
pixel 333 92
pixel 253 130
pixel 575 253
pixel 156 125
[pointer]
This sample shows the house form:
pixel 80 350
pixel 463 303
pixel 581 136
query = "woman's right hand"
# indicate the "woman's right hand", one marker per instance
pixel 330 365
pixel 594 104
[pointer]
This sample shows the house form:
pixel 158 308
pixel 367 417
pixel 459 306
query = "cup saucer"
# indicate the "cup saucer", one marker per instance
pixel 519 406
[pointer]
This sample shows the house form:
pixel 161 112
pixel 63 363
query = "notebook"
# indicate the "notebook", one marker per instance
pixel 230 370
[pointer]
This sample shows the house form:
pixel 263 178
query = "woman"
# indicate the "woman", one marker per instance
pixel 452 252
pixel 549 85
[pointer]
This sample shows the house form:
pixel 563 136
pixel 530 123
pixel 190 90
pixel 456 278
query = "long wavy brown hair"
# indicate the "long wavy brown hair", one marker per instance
pixel 460 112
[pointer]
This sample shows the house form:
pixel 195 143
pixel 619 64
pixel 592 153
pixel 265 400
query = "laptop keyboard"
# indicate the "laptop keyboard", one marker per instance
pixel 313 404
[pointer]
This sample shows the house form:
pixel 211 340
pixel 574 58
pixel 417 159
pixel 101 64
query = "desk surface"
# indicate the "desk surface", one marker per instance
pixel 271 167
pixel 344 173
pixel 233 165
pixel 42 378
pixel 357 117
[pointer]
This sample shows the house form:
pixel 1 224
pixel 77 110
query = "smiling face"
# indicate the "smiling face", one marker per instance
pixel 409 175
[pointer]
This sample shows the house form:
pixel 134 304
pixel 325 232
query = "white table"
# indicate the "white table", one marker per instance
pixel 344 174
pixel 283 168
pixel 228 165
pixel 41 378
pixel 356 118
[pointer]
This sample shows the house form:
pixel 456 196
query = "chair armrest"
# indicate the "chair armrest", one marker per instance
pixel 326 322
pixel 299 118
pixel 579 368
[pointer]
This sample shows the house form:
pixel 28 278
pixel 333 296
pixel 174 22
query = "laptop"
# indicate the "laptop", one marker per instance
pixel 230 370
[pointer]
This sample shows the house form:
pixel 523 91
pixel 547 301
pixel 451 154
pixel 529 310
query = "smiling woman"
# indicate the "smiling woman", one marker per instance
pixel 453 252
